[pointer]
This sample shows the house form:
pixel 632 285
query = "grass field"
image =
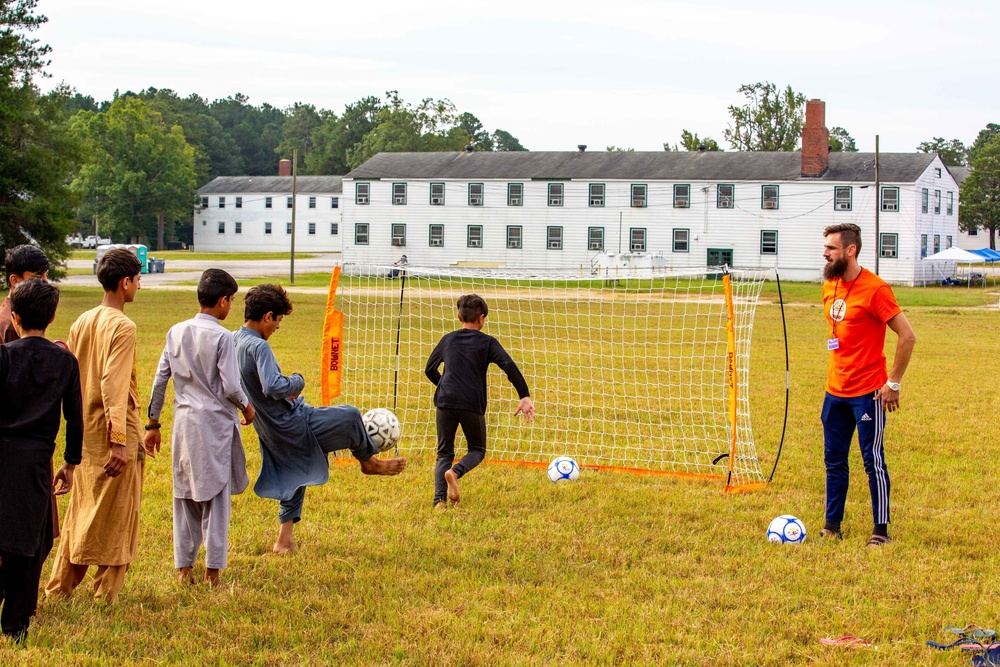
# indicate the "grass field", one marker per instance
pixel 613 569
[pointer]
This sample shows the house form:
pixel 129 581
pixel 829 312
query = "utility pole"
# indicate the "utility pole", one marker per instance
pixel 878 209
pixel 295 171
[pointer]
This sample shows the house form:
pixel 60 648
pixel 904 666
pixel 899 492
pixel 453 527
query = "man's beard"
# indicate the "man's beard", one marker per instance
pixel 835 269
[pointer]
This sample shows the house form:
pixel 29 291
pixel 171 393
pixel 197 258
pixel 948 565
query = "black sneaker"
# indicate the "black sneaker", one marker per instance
pixel 879 540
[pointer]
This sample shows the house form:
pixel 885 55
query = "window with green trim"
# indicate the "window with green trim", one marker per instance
pixel 362 194
pixel 923 246
pixel 595 238
pixel 597 194
pixel 682 240
pixel 514 237
pixel 399 194
pixel 682 196
pixel 436 236
pixel 334 228
pixel 222 202
pixel 555 238
pixel 843 198
pixel 947 242
pixel 769 242
pixel 267 202
pixel 924 200
pixel 437 194
pixel 725 195
pixel 951 203
pixel 238 228
pixel 475 194
pixel 361 233
pixel 889 246
pixel 638 195
pixel 637 239
pixel 475 236
pixel 222 228
pixel 398 234
pixel 937 202
pixel 267 228
pixel 239 202
pixel 312 229
pixel 890 200
pixel 937 243
pixel 515 194
pixel 769 196
pixel 556 191
pixel 312 202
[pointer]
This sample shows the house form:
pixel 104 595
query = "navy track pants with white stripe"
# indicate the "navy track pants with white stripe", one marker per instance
pixel 841 416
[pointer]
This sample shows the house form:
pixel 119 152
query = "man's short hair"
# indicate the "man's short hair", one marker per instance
pixel 850 234
pixel 116 264
pixel 23 258
pixel 264 299
pixel 35 302
pixel 471 306
pixel 215 284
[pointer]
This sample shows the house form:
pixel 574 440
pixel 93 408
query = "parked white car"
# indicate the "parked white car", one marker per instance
pixel 93 241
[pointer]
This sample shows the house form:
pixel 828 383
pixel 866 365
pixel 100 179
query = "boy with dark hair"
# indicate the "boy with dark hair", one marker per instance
pixel 37 379
pixel 460 397
pixel 102 521
pixel 209 464
pixel 295 438
pixel 21 263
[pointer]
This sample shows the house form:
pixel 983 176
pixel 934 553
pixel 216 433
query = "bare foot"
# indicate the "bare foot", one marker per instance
pixel 440 506
pixel 185 575
pixel 452 479
pixel 283 547
pixel 212 577
pixel 374 466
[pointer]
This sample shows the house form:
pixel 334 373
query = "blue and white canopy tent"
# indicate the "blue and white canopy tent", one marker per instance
pixel 946 264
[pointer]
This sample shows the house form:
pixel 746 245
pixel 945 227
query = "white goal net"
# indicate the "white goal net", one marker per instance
pixel 628 370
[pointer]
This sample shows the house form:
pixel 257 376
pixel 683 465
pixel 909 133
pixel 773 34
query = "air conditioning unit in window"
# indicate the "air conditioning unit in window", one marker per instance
pixel 555 245
pixel 514 201
pixel 725 202
pixel 681 203
pixel 362 200
pixel 638 203
pixel 843 206
pixel 398 242
pixel 475 201
pixel 437 243
pixel 770 204
pixel 638 247
pixel 595 245
pixel 399 200
pixel 555 201
pixel 475 243
pixel 597 202
pixel 437 201
pixel 890 207
pixel 514 245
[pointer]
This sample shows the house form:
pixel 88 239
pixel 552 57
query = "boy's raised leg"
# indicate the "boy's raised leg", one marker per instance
pixel 375 466
pixel 452 479
pixel 285 543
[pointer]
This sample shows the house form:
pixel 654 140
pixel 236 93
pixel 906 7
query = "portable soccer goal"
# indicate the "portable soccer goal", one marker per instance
pixel 642 370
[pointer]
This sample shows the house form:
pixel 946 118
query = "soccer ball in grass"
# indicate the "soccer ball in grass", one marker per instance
pixel 786 529
pixel 563 468
pixel 383 428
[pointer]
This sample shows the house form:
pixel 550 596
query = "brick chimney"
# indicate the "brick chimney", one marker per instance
pixel 284 167
pixel 815 140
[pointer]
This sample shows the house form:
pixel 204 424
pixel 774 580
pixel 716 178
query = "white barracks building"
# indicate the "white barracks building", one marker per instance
pixel 254 213
pixel 564 209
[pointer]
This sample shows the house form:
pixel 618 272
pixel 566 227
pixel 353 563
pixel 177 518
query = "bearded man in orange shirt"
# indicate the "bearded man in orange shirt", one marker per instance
pixel 859 306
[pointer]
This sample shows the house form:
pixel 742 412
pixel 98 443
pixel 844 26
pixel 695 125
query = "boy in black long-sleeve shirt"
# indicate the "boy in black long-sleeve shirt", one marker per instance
pixel 38 379
pixel 460 397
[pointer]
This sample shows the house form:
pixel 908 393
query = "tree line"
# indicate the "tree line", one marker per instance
pixel 131 165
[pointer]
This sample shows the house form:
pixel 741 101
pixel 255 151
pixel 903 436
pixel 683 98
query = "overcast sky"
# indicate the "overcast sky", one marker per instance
pixel 556 73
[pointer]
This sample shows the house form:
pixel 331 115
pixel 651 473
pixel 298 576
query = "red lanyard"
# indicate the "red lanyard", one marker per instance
pixel 835 288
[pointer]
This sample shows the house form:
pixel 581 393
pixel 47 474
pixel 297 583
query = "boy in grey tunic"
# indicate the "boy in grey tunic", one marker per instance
pixel 209 464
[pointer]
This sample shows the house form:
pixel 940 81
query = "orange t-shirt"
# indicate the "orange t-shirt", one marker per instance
pixel 857 312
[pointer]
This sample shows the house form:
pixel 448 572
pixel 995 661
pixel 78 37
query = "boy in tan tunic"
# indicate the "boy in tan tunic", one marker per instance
pixel 101 526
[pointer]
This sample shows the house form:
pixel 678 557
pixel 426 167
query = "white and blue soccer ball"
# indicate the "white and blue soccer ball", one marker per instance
pixel 786 529
pixel 383 428
pixel 563 468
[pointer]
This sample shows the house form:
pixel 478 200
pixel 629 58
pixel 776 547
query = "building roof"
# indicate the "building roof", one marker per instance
pixel 282 185
pixel 959 174
pixel 638 166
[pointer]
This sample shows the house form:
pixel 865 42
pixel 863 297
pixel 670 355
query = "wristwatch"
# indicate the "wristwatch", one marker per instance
pixel 892 385
pixel 153 427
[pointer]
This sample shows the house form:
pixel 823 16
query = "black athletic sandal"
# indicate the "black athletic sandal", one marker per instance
pixel 879 540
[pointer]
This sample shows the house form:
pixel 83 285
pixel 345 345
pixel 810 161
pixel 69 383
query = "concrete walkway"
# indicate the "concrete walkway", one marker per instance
pixel 190 270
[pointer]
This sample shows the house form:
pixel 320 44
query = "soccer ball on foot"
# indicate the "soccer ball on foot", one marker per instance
pixel 563 468
pixel 382 427
pixel 786 529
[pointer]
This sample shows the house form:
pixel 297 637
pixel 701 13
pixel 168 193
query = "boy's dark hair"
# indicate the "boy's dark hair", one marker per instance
pixel 264 299
pixel 23 258
pixel 215 284
pixel 35 302
pixel 471 306
pixel 850 234
pixel 116 264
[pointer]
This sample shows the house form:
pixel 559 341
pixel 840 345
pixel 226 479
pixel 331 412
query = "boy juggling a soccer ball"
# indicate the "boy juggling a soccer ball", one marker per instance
pixel 460 397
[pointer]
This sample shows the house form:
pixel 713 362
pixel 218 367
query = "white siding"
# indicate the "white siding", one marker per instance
pixel 805 208
pixel 253 215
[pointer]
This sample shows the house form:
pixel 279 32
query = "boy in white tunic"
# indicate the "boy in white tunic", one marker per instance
pixel 209 464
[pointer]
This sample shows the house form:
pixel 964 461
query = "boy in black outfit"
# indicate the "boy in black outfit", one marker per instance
pixel 37 380
pixel 460 397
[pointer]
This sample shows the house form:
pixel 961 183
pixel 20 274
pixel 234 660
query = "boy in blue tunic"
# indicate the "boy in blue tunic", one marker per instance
pixel 295 438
